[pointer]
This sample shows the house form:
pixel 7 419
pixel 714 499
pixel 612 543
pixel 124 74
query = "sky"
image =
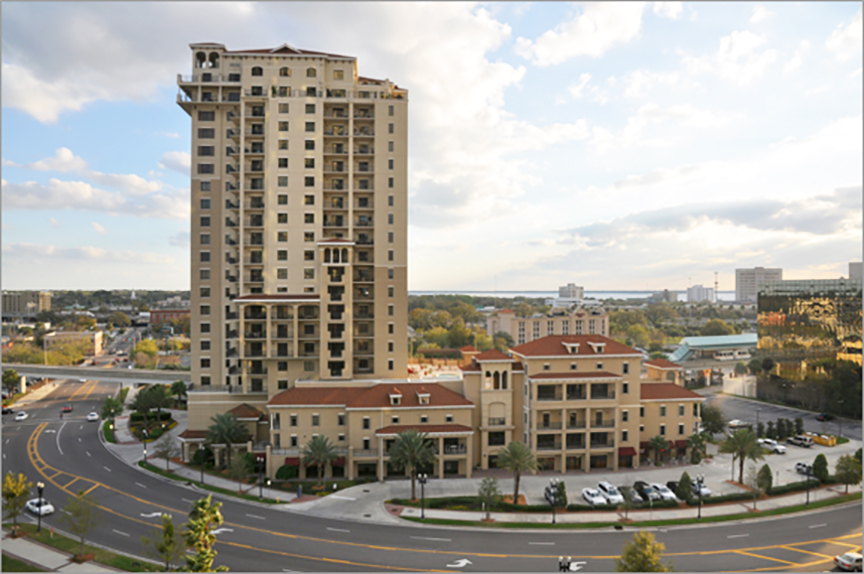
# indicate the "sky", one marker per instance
pixel 621 145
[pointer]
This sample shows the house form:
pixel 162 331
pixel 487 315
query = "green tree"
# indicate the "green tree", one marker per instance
pixel 143 403
pixel 508 340
pixel 489 493
pixel 628 502
pixel 15 493
pixel 561 495
pixel 147 347
pixel 716 327
pixel 166 448
pixel 638 335
pixel 204 517
pixel 165 545
pixel 458 334
pixel 11 380
pixel 111 407
pixel 412 450
pixel 320 452
pixel 760 429
pixel 858 455
pixel 660 446
pixel 753 483
pixel 697 446
pixel 770 431
pixel 81 517
pixel 237 471
pixel 642 554
pixel 781 430
pixel 685 487
pixel 820 467
pixel 768 365
pixel 765 478
pixel 743 446
pixel 754 366
pixel 227 430
pixel 178 389
pixel 740 368
pixel 799 425
pixel 713 420
pixel 120 319
pixel 848 470
pixel 517 458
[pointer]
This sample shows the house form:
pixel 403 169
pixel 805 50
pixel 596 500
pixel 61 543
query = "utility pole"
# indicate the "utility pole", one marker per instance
pixel 716 287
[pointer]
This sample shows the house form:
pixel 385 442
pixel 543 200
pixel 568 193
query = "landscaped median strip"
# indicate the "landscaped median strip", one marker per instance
pixel 100 556
pixel 647 523
pixel 205 486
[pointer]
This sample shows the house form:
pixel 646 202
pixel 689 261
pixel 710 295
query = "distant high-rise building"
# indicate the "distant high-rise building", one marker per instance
pixel 571 291
pixel 20 304
pixel 699 293
pixel 855 270
pixel 748 281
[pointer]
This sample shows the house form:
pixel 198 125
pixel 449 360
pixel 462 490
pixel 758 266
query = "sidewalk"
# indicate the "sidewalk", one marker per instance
pixel 45 557
pixel 36 395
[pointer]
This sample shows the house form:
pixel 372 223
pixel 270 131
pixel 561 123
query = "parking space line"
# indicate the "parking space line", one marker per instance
pixel 91 489
pixel 765 557
pixel 70 483
pixel 808 552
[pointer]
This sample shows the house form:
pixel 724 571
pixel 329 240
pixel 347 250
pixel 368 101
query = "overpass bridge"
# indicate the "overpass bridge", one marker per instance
pixel 109 375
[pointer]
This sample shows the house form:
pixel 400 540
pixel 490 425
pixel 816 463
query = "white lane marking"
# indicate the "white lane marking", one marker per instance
pixel 432 539
pixel 79 428
pixel 221 530
pixel 817 525
pixel 118 532
pixel 151 515
pixel 106 468
pixel 737 536
pixel 49 431
pixel 460 563
pixel 541 544
pixel 58 439
pixel 79 439
pixel 88 453
pixel 337 529
pixel 341 497
pixel 256 516
pixel 187 500
pixel 139 484
pixel 7 441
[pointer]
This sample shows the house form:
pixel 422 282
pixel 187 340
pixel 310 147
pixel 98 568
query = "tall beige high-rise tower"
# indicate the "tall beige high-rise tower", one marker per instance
pixel 299 222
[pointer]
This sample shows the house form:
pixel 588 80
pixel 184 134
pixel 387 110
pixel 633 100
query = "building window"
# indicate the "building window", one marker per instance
pixel 206 150
pixel 340 419
pixel 205 345
pixel 625 416
pixel 625 368
pixel 316 420
pixel 599 366
pixel 309 273
pixel 624 436
pixel 497 438
pixel 308 200
pixel 390 364
pixel 205 239
pixel 205 186
pixel 390 292
pixel 389 346
pixel 547 367
pixel 311 73
pixel 309 236
pixel 662 410
pixel 389 164
pixel 309 255
pixel 390 310
pixel 309 162
pixel 448 418
pixel 205 327
pixel 206 116
pixel 366 423
pixel 572 366
pixel 394 420
pixel 390 255
pixel 390 128
pixel 282 384
pixel 309 181
pixel 285 72
pixel 390 110
pixel 625 388
pixel 641 411
pixel 390 274
pixel 283 162
pixel 390 218
pixel 282 236
pixel 641 428
pixel 283 126
pixel 680 410
pixel 205 309
pixel 389 328
pixel 308 218
pixel 205 292
pixel 390 200
pixel 662 430
pixel 205 168
pixel 281 218
pixel 205 363
pixel 293 441
pixel 282 199
pixel 257 71
pixel 206 133
pixel 283 144
pixel 293 420
pixel 310 145
pixel 205 257
pixel 338 74
pixel 695 409
pixel 309 366
pixel 310 108
pixel 283 108
pixel 282 273
pixel 310 126
pixel 680 428
pixel 424 419
pixel 282 255
pixel 389 182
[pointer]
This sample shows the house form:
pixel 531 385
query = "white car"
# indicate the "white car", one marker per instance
pixel 736 424
pixel 664 491
pixel 849 561
pixel 772 445
pixel 40 506
pixel 21 416
pixel 706 492
pixel 92 417
pixel 610 493
pixel 592 496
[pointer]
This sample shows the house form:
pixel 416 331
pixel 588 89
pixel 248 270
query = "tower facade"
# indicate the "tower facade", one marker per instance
pixel 299 223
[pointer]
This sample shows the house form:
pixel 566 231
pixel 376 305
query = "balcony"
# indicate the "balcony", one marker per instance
pixel 576 424
pixel 337 131
pixel 549 426
pixel 363 115
pixel 256 92
pixel 254 205
pixel 255 335
pixel 497 422
pixel 548 446
pixel 230 223
pixel 366 453
pixel 548 395
pixel 606 424
pixel 608 443
pixel 343 115
pixel 230 316
pixel 361 133
pixel 364 151
pixel 254 132
pixel 575 444
pixel 451 449
pixel 603 396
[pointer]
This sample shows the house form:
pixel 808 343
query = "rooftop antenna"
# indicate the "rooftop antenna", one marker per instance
pixel 716 287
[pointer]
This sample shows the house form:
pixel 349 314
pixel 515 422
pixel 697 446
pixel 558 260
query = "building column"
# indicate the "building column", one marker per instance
pixel 469 441
pixel 440 457
pixel 22 384
pixel 268 352
pixel 381 459
pixel 350 462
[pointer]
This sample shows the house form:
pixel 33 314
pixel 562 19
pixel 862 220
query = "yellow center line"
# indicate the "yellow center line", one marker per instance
pixel 765 557
pixel 808 552
pixel 95 384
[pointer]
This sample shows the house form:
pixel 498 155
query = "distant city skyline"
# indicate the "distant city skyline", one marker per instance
pixel 618 146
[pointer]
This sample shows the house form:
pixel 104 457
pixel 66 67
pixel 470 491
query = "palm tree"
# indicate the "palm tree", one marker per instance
pixel 319 451
pixel 411 450
pixel 743 445
pixel 659 445
pixel 227 430
pixel 517 458
pixel 696 444
pixel 178 389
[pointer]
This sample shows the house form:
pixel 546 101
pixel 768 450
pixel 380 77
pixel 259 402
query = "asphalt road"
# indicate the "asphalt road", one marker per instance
pixel 68 456
pixel 745 410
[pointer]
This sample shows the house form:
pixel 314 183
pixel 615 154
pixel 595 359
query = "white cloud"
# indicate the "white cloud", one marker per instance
pixel 172 135
pixel 576 90
pixel 64 161
pixel 797 59
pixel 180 239
pixel 760 14
pixel 98 228
pixel 638 82
pixel 845 41
pixel 49 252
pixel 593 32
pixel 54 223
pixel 670 10
pixel 737 60
pixel 179 161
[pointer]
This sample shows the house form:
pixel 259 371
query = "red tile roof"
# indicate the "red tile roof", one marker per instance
pixel 193 434
pixel 575 375
pixel 471 367
pixel 379 396
pixel 553 345
pixel 468 349
pixel 286 49
pixel 317 396
pixel 431 429
pixel 245 411
pixel 493 355
pixel 665 391
pixel 663 364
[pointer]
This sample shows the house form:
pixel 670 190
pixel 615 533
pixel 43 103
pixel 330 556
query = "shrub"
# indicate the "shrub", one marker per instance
pixel 205 454
pixel 765 478
pixel 286 472
pixel 734 497
pixel 793 487
pixel 685 487
pixel 138 417
pixel 820 467
pixel 250 461
pixel 561 496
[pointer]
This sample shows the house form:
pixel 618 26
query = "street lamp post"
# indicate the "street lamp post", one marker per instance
pixel 144 442
pixel 757 419
pixel 421 478
pixel 700 480
pixel 840 417
pixel 808 486
pixel 40 486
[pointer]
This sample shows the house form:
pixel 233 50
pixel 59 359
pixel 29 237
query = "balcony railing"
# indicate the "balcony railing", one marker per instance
pixel 366 453
pixel 607 424
pixel 549 446
pixel 609 395
pixel 497 421
pixel 576 445
pixel 552 425
pixel 610 443
pixel 549 397
pixel 576 425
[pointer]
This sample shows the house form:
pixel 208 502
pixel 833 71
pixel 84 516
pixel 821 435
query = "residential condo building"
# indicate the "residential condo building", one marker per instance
pixel 579 321
pixel 749 281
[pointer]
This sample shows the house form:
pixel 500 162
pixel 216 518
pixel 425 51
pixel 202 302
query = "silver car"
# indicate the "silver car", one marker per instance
pixel 610 493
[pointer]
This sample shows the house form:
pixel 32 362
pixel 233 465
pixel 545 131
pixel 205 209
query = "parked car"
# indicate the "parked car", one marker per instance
pixel 664 491
pixel 66 409
pixel 772 445
pixel 592 496
pixel 631 494
pixel 849 561
pixel 7 411
pixel 803 468
pixel 706 492
pixel 610 493
pixel 800 440
pixel 21 416
pixel 93 417
pixel 39 506
pixel 825 417
pixel 672 485
pixel 737 424
pixel 646 491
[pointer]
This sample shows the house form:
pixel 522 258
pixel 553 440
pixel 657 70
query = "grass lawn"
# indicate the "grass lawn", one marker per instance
pixel 725 518
pixel 71 546
pixel 205 486
pixel 108 432
pixel 14 565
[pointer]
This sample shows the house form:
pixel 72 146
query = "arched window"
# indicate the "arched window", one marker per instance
pixel 504 380
pixel 327 256
pixel 200 60
pixel 214 60
pixel 311 73
pixel 335 256
pixel 496 381
pixel 285 72
pixel 344 255
pixel 488 381
pixel 257 71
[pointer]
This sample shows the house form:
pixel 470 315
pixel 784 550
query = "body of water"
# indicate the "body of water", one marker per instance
pixel 682 295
